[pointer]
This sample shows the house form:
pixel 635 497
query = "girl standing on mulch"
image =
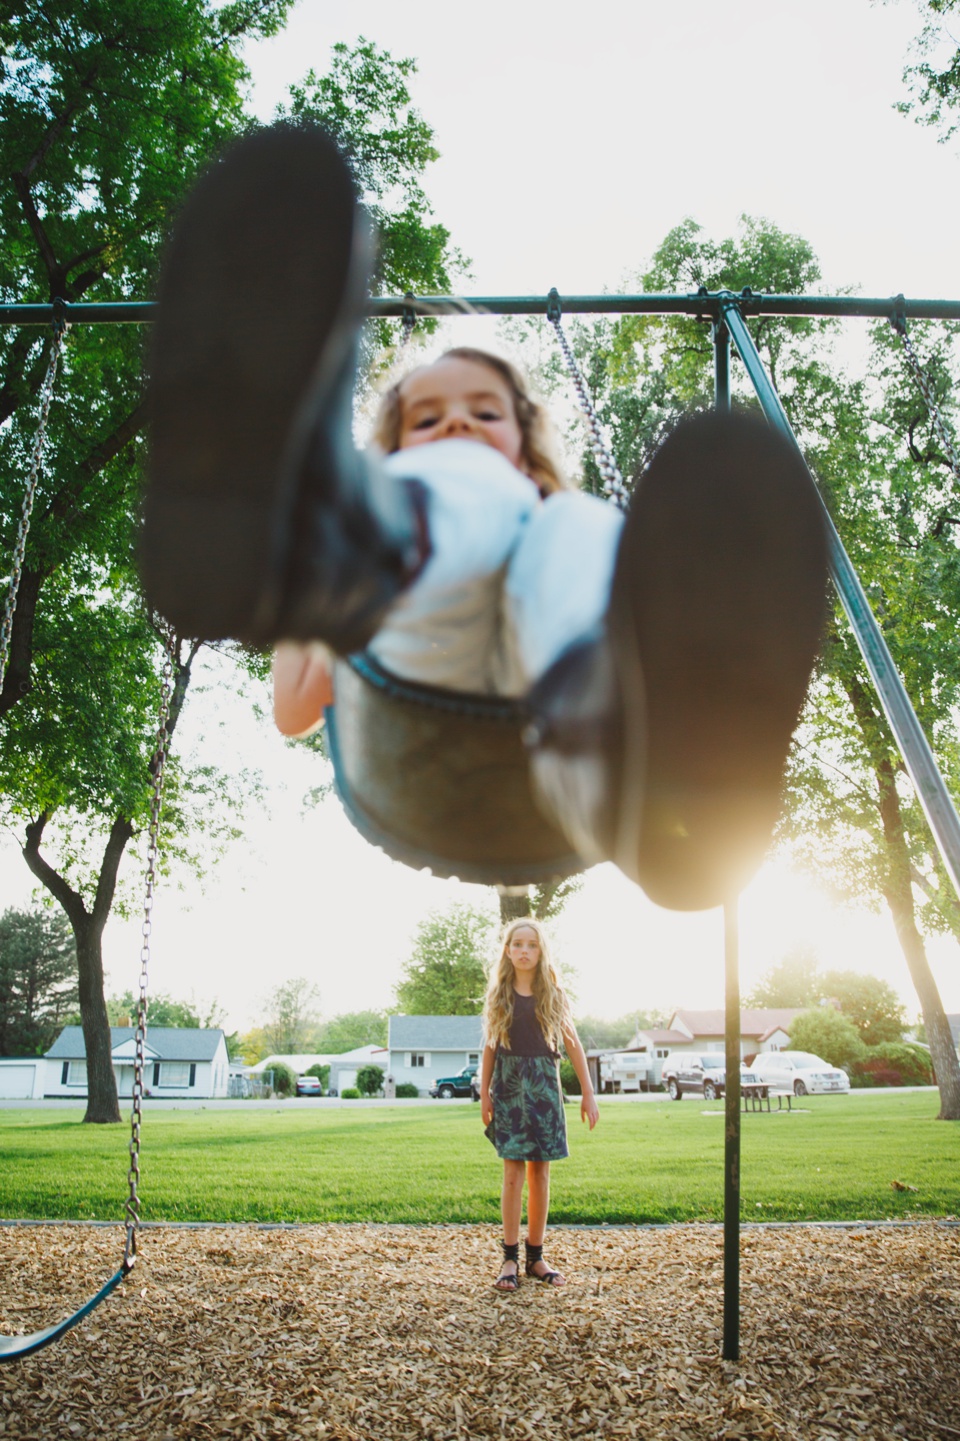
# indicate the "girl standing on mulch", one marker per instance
pixel 525 1019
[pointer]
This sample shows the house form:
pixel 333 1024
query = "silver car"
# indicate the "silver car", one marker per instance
pixel 800 1072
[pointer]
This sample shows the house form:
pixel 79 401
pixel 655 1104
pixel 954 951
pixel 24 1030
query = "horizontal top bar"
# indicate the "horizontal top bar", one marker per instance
pixel 708 305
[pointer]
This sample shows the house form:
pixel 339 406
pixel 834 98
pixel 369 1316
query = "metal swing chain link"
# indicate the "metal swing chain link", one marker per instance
pixel 933 407
pixel 136 1116
pixel 29 495
pixel 613 482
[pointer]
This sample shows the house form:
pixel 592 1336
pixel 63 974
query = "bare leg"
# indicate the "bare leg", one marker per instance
pixel 538 1208
pixel 511 1205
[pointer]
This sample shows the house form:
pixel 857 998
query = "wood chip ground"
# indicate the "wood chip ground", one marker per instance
pixel 353 1332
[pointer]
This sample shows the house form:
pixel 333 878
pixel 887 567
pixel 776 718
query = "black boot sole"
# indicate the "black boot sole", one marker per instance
pixel 716 618
pixel 261 291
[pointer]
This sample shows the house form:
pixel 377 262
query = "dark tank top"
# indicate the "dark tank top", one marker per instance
pixel 526 1037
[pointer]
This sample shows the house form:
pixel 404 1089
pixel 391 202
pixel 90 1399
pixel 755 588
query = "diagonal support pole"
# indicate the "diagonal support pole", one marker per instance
pixel 914 746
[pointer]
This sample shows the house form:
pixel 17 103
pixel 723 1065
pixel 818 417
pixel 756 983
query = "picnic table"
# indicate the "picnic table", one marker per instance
pixel 757 1097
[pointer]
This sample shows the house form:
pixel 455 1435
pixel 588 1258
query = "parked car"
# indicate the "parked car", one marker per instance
pixel 800 1072
pixel 309 1086
pixel 702 1073
pixel 459 1085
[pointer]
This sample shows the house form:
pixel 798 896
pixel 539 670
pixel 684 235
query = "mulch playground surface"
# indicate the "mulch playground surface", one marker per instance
pixel 382 1332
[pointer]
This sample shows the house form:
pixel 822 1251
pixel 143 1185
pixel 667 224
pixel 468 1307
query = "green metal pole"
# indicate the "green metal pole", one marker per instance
pixel 721 367
pixel 913 744
pixel 731 1150
pixel 708 305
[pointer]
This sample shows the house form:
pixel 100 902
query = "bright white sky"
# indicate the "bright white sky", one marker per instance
pixel 572 138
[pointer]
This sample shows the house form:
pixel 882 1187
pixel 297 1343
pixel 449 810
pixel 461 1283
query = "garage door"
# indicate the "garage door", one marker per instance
pixel 16 1082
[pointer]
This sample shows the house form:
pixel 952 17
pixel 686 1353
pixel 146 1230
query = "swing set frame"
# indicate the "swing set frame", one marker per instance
pixel 726 312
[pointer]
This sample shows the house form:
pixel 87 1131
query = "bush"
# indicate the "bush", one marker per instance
pixel 826 1033
pixel 569 1081
pixel 350 1094
pixel 407 1091
pixel 281 1079
pixel 370 1080
pixel 909 1063
pixel 322 1073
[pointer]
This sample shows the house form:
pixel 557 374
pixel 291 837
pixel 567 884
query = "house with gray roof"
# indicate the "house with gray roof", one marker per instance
pixel 424 1048
pixel 180 1061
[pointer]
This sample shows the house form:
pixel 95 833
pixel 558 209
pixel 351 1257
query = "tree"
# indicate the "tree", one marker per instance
pixel 543 901
pixel 370 1080
pixel 445 974
pixel 102 127
pixel 290 1014
pixel 935 80
pixel 827 1033
pixel 598 1034
pixel 165 1010
pixel 38 987
pixel 352 1029
pixel 871 1004
pixel 793 981
pixel 852 816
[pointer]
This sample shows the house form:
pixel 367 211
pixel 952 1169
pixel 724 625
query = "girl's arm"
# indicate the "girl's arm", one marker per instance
pixel 486 1075
pixel 302 686
pixel 589 1111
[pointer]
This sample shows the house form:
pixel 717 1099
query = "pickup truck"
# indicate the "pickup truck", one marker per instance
pixel 459 1085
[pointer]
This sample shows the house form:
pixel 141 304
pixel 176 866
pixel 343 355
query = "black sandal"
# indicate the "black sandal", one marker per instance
pixel 504 1281
pixel 548 1277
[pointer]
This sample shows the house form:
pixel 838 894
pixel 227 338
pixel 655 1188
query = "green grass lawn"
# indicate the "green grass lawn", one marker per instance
pixel 833 1159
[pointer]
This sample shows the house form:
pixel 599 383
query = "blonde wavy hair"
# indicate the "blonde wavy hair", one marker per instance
pixel 552 1006
pixel 540 450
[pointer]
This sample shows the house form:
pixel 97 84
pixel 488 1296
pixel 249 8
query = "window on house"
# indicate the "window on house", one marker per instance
pixel 662 1052
pixel 418 1058
pixel 76 1073
pixel 473 1059
pixel 174 1073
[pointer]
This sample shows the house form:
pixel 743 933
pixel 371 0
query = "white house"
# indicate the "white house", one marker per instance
pixel 765 1029
pixel 425 1048
pixel 179 1061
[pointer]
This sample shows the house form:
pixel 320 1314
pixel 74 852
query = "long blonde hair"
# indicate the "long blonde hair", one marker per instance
pixel 540 450
pixel 552 1006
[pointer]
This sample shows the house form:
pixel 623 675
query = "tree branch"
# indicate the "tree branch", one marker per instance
pixel 120 833
pixel 18 682
pixel 69 899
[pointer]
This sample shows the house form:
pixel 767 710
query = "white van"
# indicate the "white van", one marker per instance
pixel 625 1071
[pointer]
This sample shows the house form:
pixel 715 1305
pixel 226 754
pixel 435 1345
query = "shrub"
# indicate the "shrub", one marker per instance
pixel 407 1091
pixel 350 1094
pixel 281 1079
pixel 909 1063
pixel 826 1033
pixel 876 1073
pixel 322 1073
pixel 370 1080
pixel 569 1081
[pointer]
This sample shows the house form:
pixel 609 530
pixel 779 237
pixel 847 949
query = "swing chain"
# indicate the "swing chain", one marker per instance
pixel 613 482
pixel 409 322
pixel 29 495
pixel 899 324
pixel 157 766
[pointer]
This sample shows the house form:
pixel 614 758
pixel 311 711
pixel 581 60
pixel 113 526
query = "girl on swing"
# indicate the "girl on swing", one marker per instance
pixel 525 1020
pixel 664 656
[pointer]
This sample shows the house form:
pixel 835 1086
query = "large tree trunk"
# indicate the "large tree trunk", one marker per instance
pixel 898 891
pixel 88 927
pixel 514 903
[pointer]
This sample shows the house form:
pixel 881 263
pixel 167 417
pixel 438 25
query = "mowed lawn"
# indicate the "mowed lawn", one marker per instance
pixel 832 1158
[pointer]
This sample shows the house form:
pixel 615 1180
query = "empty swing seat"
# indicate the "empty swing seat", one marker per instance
pixel 440 780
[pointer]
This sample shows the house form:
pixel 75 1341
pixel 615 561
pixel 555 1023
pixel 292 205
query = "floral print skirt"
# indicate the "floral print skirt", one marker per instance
pixel 528 1121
